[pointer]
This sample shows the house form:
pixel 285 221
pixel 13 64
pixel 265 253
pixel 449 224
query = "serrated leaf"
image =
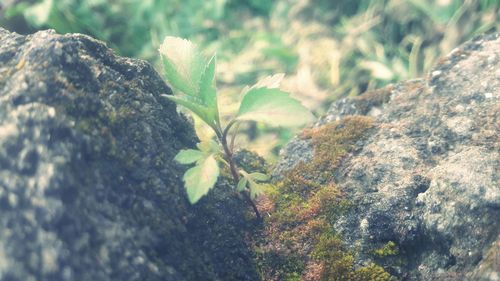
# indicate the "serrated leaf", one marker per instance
pixel 273 107
pixel 259 176
pixel 186 71
pixel 201 178
pixel 255 189
pixel 207 92
pixel 269 82
pixel 242 184
pixel 203 131
pixel 183 64
pixel 208 146
pixel 188 156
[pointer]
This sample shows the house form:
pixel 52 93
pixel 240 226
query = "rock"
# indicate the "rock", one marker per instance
pixel 426 176
pixel 88 187
pixel 298 150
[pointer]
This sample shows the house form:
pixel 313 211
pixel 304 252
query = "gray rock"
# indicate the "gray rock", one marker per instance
pixel 88 187
pixel 427 177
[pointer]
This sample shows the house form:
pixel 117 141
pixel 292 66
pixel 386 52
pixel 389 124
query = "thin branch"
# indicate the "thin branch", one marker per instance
pixel 232 166
pixel 228 127
pixel 233 136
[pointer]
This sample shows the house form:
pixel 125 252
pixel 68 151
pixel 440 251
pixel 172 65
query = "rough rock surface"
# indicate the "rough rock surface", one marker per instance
pixel 427 176
pixel 88 188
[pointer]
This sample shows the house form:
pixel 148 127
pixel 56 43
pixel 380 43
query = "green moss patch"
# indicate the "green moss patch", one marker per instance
pixel 389 249
pixel 299 242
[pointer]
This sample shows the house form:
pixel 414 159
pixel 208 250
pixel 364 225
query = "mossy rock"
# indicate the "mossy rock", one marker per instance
pixel 88 186
pixel 420 186
pixel 307 203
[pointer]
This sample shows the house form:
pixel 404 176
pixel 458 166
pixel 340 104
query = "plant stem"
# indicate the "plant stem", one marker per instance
pixel 232 167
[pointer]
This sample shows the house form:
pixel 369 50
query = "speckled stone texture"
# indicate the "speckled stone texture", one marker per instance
pixel 88 187
pixel 427 177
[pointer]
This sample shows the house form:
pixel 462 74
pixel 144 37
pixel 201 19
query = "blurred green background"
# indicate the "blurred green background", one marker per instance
pixel 328 49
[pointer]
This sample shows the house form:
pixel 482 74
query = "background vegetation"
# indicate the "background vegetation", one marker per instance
pixel 328 49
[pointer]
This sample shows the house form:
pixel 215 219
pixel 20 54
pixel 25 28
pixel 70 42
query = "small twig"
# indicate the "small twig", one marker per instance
pixel 233 137
pixel 232 165
pixel 254 207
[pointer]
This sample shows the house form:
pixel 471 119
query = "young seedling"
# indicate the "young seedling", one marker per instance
pixel 193 81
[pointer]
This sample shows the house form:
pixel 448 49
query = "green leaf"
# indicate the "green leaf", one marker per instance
pixel 259 176
pixel 208 147
pixel 201 111
pixel 201 178
pixel 242 184
pixel 255 189
pixel 208 93
pixel 183 64
pixel 273 107
pixel 188 156
pixel 269 82
pixel 186 71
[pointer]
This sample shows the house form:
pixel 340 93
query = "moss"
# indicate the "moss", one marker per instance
pixel 294 276
pixel 389 249
pixel 366 101
pixel 329 248
pixel 331 143
pixel 306 204
pixel 279 266
pixel 250 162
pixel 371 272
pixel 338 262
